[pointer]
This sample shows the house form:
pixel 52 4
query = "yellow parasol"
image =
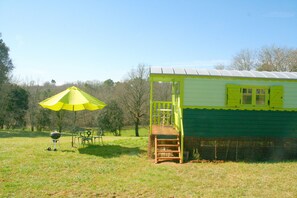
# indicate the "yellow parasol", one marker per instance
pixel 72 99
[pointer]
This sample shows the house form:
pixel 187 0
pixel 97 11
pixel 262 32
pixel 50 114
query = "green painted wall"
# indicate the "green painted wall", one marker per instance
pixel 205 123
pixel 211 92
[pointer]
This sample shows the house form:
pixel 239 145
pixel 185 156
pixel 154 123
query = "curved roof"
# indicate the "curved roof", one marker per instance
pixel 223 73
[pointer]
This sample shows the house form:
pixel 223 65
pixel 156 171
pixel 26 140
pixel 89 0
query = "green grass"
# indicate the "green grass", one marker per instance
pixel 143 132
pixel 120 168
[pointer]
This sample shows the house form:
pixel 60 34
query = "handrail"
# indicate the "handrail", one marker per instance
pixel 161 113
pixel 181 125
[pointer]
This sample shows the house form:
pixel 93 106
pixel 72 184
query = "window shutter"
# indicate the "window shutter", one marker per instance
pixel 276 96
pixel 233 95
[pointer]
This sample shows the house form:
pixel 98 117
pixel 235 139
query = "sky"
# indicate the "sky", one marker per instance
pixel 96 40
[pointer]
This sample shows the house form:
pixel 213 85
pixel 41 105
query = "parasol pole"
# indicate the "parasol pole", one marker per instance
pixel 74 128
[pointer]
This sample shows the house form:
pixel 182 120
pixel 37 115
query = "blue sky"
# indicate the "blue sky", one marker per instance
pixel 76 40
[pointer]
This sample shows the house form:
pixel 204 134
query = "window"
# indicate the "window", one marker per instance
pixel 254 96
pixel 247 96
pixel 241 96
pixel 260 96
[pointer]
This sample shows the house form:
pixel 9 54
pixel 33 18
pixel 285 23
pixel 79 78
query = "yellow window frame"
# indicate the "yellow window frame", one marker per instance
pixel 254 96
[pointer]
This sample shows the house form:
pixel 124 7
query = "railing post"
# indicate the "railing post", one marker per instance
pixel 161 117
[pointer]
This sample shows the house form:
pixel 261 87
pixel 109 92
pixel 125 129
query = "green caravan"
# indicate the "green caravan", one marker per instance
pixel 222 114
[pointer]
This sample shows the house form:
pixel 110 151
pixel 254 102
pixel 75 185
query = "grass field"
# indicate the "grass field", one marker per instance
pixel 120 168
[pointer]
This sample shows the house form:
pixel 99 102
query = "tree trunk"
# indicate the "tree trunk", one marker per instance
pixel 120 131
pixel 60 128
pixel 137 127
pixel 60 118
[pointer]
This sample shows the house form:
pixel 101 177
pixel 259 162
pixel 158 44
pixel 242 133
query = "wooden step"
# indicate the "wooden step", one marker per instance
pixel 168 145
pixel 164 130
pixel 168 158
pixel 167 151
pixel 169 140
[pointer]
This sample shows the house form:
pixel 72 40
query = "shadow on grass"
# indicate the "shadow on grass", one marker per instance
pixel 67 151
pixel 110 151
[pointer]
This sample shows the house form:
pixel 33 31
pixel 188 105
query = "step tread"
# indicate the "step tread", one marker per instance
pixel 167 151
pixel 168 139
pixel 168 145
pixel 164 158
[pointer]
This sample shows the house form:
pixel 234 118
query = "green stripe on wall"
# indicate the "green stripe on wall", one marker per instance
pixel 203 123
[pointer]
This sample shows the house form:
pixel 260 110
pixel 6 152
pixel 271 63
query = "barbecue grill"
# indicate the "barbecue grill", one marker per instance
pixel 55 138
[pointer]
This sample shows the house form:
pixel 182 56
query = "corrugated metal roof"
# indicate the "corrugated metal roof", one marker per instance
pixel 223 73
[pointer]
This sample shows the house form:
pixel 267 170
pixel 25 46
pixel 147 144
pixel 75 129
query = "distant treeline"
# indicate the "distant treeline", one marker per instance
pixel 127 101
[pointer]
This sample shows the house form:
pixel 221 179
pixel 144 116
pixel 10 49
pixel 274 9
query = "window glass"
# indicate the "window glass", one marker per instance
pixel 247 96
pixel 260 96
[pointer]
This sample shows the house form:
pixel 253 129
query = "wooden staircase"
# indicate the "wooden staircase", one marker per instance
pixel 167 148
pixel 166 130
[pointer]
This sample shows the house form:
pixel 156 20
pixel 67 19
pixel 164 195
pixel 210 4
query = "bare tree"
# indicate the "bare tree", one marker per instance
pixel 244 60
pixel 135 95
pixel 277 59
pixel 292 60
pixel 270 58
pixel 162 91
pixel 220 66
